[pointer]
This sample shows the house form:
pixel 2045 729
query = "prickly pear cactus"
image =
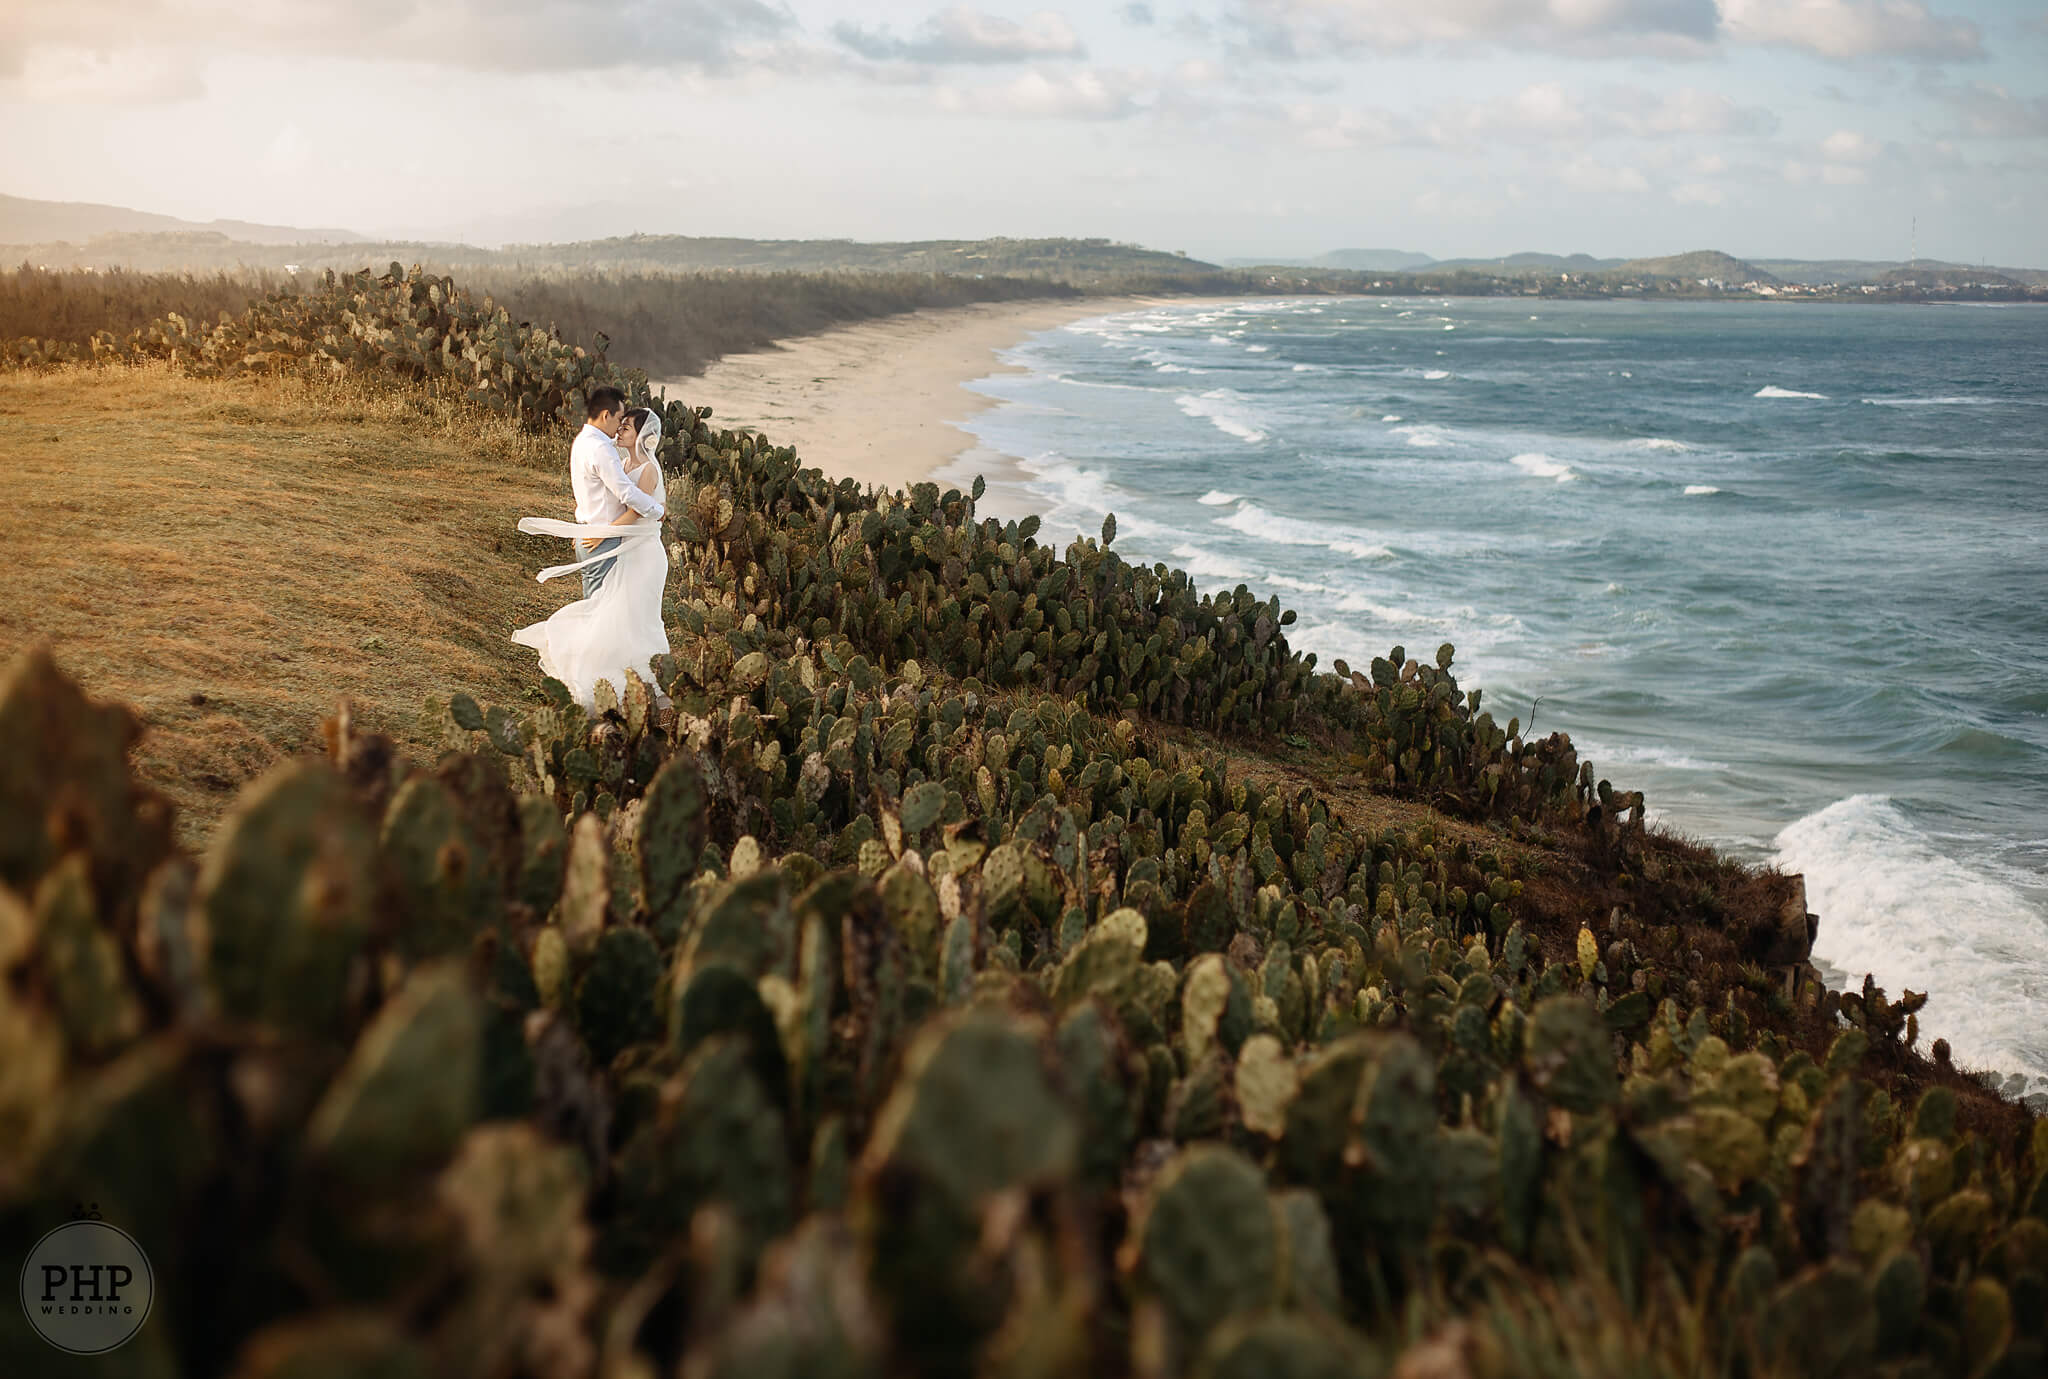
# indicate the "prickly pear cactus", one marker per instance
pixel 1208 1245
pixel 288 891
pixel 411 1085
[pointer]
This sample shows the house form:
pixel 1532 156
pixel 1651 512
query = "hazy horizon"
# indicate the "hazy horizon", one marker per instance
pixel 1818 129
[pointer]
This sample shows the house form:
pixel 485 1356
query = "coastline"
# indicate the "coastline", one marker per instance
pixel 881 402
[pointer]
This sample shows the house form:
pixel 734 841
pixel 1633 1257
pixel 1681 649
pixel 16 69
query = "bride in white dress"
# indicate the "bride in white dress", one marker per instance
pixel 617 628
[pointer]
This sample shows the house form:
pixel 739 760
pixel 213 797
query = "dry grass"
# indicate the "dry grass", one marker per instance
pixel 231 557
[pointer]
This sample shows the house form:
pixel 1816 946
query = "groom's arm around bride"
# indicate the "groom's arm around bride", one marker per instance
pixel 597 475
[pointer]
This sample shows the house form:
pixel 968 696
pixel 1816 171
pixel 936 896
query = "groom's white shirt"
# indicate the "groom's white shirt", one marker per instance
pixel 598 479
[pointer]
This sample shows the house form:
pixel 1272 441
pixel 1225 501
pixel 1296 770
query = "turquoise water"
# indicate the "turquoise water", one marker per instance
pixel 1783 567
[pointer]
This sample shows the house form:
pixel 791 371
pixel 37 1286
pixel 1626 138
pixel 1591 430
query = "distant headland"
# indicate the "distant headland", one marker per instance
pixel 72 235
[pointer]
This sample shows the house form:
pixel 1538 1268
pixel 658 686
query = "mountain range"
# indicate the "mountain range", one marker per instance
pixel 83 234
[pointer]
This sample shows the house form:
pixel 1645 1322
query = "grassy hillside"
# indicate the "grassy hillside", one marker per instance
pixel 1082 261
pixel 1700 263
pixel 27 221
pixel 231 556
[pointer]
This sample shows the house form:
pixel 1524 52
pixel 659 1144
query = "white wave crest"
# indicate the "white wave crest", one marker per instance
pixel 1391 416
pixel 1423 437
pixel 1605 757
pixel 1209 565
pixel 1253 520
pixel 1296 586
pixel 1773 390
pixel 1543 467
pixel 1169 368
pixel 1216 498
pixel 1699 490
pixel 1256 349
pixel 1659 443
pixel 1894 905
pixel 1929 401
pixel 1224 410
pixel 1434 374
pixel 1069 490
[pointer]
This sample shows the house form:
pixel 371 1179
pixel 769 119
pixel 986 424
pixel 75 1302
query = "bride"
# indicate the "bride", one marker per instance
pixel 618 627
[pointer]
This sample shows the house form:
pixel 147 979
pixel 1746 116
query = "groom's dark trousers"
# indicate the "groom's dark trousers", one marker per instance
pixel 594 575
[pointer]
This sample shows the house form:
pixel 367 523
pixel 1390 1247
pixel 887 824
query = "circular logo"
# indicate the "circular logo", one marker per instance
pixel 86 1287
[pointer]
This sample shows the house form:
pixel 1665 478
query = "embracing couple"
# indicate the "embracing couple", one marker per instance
pixel 616 626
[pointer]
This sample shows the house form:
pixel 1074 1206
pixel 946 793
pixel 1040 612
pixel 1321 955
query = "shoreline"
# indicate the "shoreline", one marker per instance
pixel 883 402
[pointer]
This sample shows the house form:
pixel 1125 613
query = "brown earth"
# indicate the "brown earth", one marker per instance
pixel 231 557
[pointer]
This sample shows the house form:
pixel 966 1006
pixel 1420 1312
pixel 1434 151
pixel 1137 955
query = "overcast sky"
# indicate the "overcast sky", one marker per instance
pixel 1809 128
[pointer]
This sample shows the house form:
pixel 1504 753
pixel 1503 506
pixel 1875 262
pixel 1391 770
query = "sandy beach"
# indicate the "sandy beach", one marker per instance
pixel 882 401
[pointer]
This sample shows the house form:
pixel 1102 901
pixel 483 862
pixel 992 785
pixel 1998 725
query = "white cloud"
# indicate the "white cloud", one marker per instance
pixel 1087 94
pixel 1547 112
pixel 961 34
pixel 1698 194
pixel 1669 28
pixel 1992 112
pixel 1589 175
pixel 1852 28
pixel 1850 146
pixel 1687 110
pixel 128 76
pixel 1310 28
pixel 480 35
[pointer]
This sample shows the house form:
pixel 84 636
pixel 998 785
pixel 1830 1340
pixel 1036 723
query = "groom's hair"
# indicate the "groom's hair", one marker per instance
pixel 602 400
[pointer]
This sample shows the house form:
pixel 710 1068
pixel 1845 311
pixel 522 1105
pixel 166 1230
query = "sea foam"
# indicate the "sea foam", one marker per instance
pixel 1209 565
pixel 1216 498
pixel 1894 905
pixel 1224 410
pixel 1255 521
pixel 1773 390
pixel 1699 490
pixel 1543 467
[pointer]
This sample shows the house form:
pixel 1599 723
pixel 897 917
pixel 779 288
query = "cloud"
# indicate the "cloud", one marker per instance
pixel 1541 115
pixel 1547 113
pixel 1686 110
pixel 1306 28
pixel 961 34
pixel 1087 94
pixel 131 76
pixel 1604 179
pixel 1992 112
pixel 478 35
pixel 1138 14
pixel 1841 29
pixel 1852 28
pixel 1850 146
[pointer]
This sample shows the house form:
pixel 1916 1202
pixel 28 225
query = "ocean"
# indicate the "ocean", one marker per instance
pixel 1781 566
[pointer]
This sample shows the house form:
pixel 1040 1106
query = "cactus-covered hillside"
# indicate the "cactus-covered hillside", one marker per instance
pixel 1000 961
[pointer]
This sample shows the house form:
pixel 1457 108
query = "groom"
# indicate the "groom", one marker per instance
pixel 597 476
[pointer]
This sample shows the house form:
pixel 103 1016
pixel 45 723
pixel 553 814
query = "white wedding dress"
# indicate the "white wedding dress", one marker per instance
pixel 619 627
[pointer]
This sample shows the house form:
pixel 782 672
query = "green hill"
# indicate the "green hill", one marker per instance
pixel 1697 265
pixel 1079 261
pixel 24 221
